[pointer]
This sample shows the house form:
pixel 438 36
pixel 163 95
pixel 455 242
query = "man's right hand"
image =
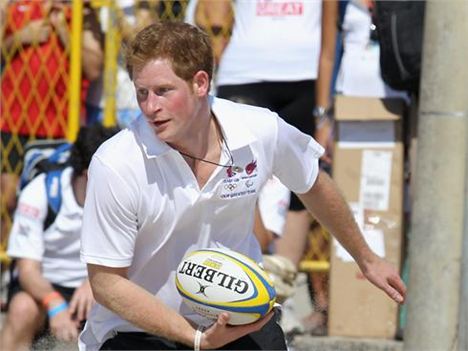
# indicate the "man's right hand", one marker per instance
pixel 81 302
pixel 221 333
pixel 63 327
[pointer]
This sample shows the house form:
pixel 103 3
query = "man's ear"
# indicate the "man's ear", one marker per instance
pixel 201 83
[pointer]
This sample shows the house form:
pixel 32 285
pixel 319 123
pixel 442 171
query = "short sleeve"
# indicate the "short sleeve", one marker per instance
pixel 295 159
pixel 109 218
pixel 26 238
pixel 273 204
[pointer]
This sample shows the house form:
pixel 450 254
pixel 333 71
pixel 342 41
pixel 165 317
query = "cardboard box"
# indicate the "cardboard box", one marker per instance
pixel 368 167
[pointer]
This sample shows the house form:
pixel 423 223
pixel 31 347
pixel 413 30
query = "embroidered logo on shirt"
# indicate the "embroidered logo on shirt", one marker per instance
pixel 240 179
pixel 240 184
pixel 230 172
pixel 230 186
pixel 251 167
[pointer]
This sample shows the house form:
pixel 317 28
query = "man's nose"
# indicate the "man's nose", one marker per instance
pixel 154 102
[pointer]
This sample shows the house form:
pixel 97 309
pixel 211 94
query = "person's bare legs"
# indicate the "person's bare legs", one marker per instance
pixel 23 320
pixel 320 285
pixel 293 245
pixel 316 322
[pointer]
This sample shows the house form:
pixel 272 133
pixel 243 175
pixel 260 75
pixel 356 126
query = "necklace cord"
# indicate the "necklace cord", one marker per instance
pixel 225 150
pixel 231 159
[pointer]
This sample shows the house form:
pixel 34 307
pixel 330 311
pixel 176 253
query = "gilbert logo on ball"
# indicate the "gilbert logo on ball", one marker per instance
pixel 212 281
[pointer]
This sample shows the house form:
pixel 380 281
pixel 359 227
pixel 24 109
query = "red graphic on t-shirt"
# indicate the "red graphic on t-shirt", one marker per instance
pixel 230 172
pixel 28 211
pixel 277 9
pixel 251 167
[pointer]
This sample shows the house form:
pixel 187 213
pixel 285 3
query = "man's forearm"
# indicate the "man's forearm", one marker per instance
pixel 328 206
pixel 32 281
pixel 139 307
pixel 92 56
pixel 326 203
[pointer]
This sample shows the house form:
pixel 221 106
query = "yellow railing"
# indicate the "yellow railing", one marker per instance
pixel 317 256
pixel 75 71
pixel 111 53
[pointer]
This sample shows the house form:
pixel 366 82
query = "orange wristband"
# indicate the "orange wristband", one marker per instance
pixel 49 297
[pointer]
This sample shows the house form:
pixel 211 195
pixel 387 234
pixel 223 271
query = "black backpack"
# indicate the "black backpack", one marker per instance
pixel 400 31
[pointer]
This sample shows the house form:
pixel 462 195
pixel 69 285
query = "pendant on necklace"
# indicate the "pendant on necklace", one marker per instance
pixel 237 169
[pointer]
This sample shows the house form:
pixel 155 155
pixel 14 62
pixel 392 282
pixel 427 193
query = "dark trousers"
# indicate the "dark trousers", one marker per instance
pixel 270 337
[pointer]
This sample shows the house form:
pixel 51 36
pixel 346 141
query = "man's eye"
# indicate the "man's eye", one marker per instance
pixel 142 93
pixel 162 91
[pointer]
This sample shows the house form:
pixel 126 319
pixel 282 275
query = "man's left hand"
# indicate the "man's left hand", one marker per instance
pixel 384 275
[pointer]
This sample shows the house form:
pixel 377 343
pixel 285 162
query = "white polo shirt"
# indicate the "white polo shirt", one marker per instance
pixel 57 247
pixel 144 209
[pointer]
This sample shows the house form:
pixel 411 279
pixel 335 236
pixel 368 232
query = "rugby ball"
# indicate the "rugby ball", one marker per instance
pixel 215 280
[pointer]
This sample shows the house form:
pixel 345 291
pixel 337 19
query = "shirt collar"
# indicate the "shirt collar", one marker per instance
pixel 227 112
pixel 150 143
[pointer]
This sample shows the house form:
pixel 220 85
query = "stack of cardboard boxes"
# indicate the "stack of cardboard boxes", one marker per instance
pixel 368 166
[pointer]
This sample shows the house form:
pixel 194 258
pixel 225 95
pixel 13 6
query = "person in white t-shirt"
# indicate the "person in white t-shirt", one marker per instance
pixel 359 71
pixel 163 187
pixel 50 282
pixel 270 214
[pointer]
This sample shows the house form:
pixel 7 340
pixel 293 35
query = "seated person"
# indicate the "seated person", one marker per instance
pixel 49 287
pixel 270 213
